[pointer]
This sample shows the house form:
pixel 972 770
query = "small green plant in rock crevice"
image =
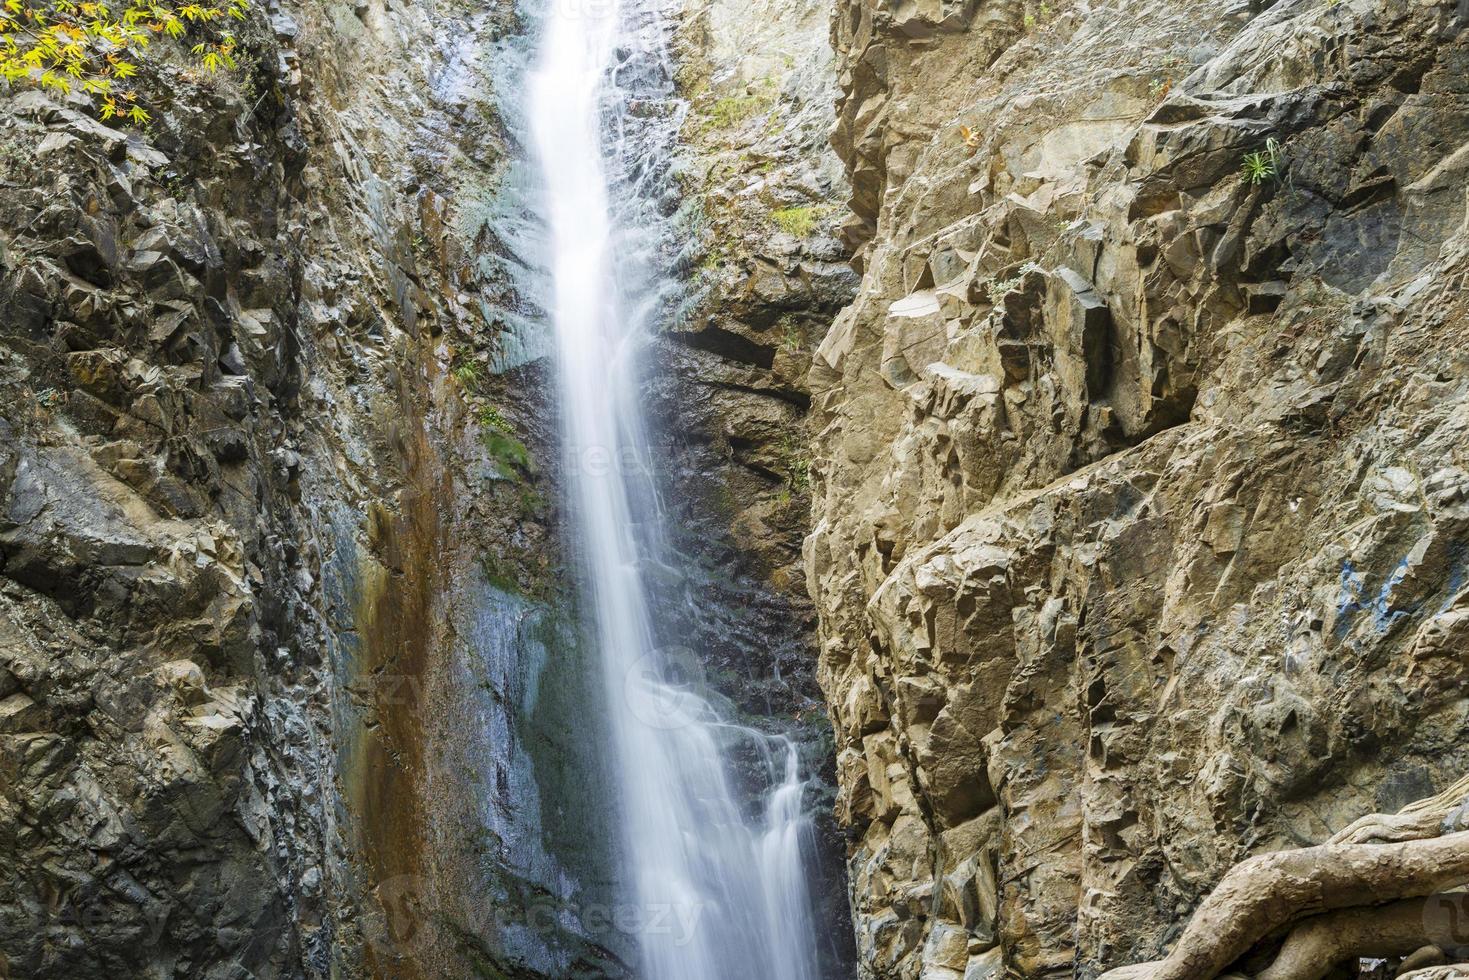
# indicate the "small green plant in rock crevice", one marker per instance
pixel 466 375
pixel 1262 165
pixel 715 256
pixel 1161 84
pixel 497 435
pixel 998 289
pixel 798 221
pixel 507 451
pixel 732 110
pixel 793 334
pixel 729 111
pixel 490 417
pixel 800 475
pixel 797 470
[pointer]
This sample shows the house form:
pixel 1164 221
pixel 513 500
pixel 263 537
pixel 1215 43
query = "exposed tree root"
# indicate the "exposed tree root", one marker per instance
pixel 1416 821
pixel 1421 959
pixel 1270 891
pixel 1317 945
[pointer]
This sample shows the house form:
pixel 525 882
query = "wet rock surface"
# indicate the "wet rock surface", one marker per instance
pixel 760 194
pixel 1136 470
pixel 1137 539
pixel 289 682
pixel 246 451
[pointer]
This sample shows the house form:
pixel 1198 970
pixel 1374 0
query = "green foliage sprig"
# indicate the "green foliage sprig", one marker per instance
pixel 797 221
pixel 1262 165
pixel 61 45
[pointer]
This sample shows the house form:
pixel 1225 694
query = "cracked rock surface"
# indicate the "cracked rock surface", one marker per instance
pixel 225 343
pixel 1140 477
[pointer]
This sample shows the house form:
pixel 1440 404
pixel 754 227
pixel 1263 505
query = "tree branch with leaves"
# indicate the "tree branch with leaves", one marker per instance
pixel 62 46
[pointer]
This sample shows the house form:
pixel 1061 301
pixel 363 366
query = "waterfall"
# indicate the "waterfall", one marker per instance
pixel 720 887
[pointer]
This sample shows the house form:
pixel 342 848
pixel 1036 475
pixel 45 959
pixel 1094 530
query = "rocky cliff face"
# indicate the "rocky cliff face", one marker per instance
pixel 760 201
pixel 159 703
pixel 289 682
pixel 1137 475
pixel 249 448
pixel 1140 475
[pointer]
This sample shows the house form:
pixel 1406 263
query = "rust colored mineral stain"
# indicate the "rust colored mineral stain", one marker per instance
pixel 399 630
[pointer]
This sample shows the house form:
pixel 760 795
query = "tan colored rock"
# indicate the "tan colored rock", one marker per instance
pixel 19 713
pixel 185 677
pixel 945 950
pixel 1136 482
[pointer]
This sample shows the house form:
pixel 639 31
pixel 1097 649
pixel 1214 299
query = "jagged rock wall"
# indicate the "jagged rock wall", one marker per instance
pixel 761 200
pixel 289 685
pixel 1139 485
pixel 152 562
pixel 248 450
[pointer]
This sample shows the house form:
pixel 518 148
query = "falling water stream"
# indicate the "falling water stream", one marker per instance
pixel 721 887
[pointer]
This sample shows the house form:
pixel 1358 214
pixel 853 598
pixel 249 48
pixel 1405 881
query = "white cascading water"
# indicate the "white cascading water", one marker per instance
pixel 721 895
